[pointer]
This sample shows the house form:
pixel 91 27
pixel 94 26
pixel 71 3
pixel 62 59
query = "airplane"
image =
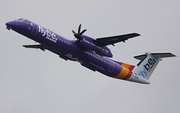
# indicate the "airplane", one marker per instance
pixel 90 53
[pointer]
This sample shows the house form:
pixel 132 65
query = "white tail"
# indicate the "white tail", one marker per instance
pixel 148 63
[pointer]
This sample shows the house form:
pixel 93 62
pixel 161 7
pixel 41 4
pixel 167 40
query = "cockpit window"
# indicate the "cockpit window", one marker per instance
pixel 24 20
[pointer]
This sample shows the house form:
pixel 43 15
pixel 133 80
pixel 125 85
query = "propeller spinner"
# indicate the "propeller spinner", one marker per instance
pixel 79 33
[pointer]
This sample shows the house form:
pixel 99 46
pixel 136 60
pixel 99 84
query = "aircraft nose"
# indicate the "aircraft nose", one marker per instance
pixel 11 25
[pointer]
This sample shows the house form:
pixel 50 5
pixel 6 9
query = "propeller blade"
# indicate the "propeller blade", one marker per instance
pixel 79 33
pixel 83 32
pixel 79 29
pixel 73 32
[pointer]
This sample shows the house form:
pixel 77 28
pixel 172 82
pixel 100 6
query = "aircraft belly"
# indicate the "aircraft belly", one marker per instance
pixel 138 79
pixel 101 65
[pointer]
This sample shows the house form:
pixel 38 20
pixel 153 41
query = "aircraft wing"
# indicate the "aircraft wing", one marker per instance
pixel 38 46
pixel 115 39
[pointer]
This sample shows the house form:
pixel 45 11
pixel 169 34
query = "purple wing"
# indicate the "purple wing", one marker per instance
pixel 115 39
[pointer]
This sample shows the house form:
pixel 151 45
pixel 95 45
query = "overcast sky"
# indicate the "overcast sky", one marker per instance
pixel 33 81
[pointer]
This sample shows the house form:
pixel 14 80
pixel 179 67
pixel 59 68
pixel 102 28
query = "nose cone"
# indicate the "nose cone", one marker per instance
pixel 11 25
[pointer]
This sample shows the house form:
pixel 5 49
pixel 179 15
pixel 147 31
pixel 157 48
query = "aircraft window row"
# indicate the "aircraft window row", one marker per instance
pixel 97 57
pixel 88 53
pixel 64 41
pixel 24 20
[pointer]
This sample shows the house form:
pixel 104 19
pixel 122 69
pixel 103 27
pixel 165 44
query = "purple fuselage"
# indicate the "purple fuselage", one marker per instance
pixel 69 49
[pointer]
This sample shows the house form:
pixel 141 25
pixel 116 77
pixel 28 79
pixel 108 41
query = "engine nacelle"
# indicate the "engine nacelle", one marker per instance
pixel 91 44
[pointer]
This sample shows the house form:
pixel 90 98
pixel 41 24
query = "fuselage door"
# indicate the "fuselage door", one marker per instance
pixel 111 67
pixel 34 28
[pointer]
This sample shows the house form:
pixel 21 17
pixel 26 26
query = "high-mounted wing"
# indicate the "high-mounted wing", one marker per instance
pixel 38 46
pixel 115 39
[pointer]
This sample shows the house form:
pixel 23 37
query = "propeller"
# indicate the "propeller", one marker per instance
pixel 79 33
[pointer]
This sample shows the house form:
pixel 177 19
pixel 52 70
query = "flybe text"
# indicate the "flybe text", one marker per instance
pixel 48 34
pixel 147 67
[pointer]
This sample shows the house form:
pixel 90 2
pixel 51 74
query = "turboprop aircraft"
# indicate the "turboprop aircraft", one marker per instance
pixel 90 53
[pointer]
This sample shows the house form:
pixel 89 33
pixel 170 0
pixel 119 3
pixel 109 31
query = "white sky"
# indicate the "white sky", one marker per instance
pixel 33 81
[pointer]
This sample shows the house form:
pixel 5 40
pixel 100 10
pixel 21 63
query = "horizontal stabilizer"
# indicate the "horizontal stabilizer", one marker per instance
pixel 156 55
pixel 38 46
pixel 148 63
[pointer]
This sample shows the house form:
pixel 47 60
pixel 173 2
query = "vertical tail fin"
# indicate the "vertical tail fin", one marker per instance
pixel 148 63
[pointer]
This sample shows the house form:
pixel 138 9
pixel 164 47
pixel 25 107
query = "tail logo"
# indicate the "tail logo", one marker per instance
pixel 149 65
